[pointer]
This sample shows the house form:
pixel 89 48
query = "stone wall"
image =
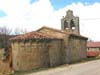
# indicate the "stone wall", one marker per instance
pixel 28 55
pixel 33 55
pixel 55 52
pixel 77 49
pixel 73 47
pixel 5 67
pixel 52 32
pixel 65 51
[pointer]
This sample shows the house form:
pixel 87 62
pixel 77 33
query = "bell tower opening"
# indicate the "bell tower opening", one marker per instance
pixel 70 23
pixel 66 25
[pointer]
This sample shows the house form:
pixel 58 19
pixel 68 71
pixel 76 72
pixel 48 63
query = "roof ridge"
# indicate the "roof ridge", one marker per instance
pixel 53 29
pixel 61 31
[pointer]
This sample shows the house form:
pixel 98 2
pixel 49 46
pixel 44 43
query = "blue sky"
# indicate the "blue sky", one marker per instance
pixel 61 3
pixel 57 4
pixel 2 13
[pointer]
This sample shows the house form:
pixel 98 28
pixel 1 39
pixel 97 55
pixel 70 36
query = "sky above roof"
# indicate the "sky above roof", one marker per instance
pixel 57 4
pixel 33 14
pixel 2 13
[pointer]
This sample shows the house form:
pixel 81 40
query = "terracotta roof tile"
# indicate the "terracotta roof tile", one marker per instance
pixel 93 53
pixel 93 44
pixel 34 35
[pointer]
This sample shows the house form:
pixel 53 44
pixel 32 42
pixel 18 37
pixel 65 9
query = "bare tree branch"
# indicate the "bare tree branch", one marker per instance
pixel 19 31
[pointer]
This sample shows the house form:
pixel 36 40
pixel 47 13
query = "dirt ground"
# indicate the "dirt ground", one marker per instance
pixel 87 68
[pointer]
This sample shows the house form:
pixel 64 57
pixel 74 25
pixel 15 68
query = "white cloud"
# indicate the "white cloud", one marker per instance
pixel 89 19
pixel 22 14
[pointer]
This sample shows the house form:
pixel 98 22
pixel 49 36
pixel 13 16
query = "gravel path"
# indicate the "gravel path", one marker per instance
pixel 87 68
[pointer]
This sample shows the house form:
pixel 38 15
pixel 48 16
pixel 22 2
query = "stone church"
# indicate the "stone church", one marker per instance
pixel 49 47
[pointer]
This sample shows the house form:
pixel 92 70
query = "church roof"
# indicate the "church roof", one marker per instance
pixel 57 30
pixel 63 32
pixel 34 35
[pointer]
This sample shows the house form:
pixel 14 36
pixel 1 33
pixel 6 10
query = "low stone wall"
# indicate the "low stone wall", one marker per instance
pixel 4 65
pixel 4 68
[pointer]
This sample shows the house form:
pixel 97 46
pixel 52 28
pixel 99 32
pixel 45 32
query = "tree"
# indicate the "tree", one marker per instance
pixel 4 36
pixel 18 31
pixel 4 40
pixel 5 31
